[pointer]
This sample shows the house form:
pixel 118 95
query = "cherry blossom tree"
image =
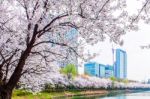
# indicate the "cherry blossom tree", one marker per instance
pixel 30 28
pixel 88 83
pixel 143 12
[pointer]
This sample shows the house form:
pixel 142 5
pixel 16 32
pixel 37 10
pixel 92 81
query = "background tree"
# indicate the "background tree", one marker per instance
pixel 70 70
pixel 29 28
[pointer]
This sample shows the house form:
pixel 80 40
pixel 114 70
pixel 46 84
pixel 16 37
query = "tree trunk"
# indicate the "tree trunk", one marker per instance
pixel 5 94
pixel 6 90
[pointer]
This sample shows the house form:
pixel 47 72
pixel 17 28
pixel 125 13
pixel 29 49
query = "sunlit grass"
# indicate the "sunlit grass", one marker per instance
pixel 22 94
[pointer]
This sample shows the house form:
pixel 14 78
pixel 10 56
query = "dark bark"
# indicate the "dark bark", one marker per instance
pixel 17 73
pixel 4 93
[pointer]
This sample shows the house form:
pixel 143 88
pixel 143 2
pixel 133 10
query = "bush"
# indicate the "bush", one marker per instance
pixel 70 70
pixel 21 93
pixel 49 87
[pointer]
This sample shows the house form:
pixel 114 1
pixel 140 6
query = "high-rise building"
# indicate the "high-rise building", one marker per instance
pixel 91 69
pixel 118 69
pixel 102 70
pixel 121 64
pixel 71 57
pixel 109 71
pixel 95 69
pixel 148 81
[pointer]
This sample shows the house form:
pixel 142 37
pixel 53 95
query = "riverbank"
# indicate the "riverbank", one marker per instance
pixel 22 94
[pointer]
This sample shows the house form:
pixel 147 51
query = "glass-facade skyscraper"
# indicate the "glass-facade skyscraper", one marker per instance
pixel 91 69
pixel 118 69
pixel 109 71
pixel 121 64
pixel 95 69
pixel 102 70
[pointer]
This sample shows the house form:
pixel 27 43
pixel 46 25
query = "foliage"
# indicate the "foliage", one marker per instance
pixel 125 81
pixel 113 78
pixel 48 87
pixel 30 29
pixel 119 80
pixel 70 70
pixel 92 83
pixel 51 95
pixel 33 33
pixel 21 93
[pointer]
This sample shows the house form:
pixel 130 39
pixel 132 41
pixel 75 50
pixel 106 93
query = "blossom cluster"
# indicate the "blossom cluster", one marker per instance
pixel 62 82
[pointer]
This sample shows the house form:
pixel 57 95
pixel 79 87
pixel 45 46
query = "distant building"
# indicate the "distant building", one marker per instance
pixel 71 38
pixel 99 70
pixel 118 70
pixel 91 69
pixel 102 71
pixel 109 71
pixel 121 64
pixel 148 81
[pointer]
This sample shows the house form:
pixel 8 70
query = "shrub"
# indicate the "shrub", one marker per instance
pixel 70 70
pixel 48 87
pixel 21 93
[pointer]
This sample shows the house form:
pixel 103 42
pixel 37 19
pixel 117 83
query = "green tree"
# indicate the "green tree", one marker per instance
pixel 70 70
pixel 113 78
pixel 125 81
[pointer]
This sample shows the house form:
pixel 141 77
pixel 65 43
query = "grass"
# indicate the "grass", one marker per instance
pixel 22 94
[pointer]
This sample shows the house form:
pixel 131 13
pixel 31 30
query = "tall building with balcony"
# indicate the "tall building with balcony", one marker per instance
pixel 120 69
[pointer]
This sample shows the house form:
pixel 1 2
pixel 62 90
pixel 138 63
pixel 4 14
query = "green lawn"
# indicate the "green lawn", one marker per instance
pixel 22 94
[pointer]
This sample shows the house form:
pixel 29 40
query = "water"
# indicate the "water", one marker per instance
pixel 141 95
pixel 138 95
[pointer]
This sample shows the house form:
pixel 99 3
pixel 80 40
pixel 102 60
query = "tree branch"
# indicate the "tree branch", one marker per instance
pixel 47 27
pixel 140 12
